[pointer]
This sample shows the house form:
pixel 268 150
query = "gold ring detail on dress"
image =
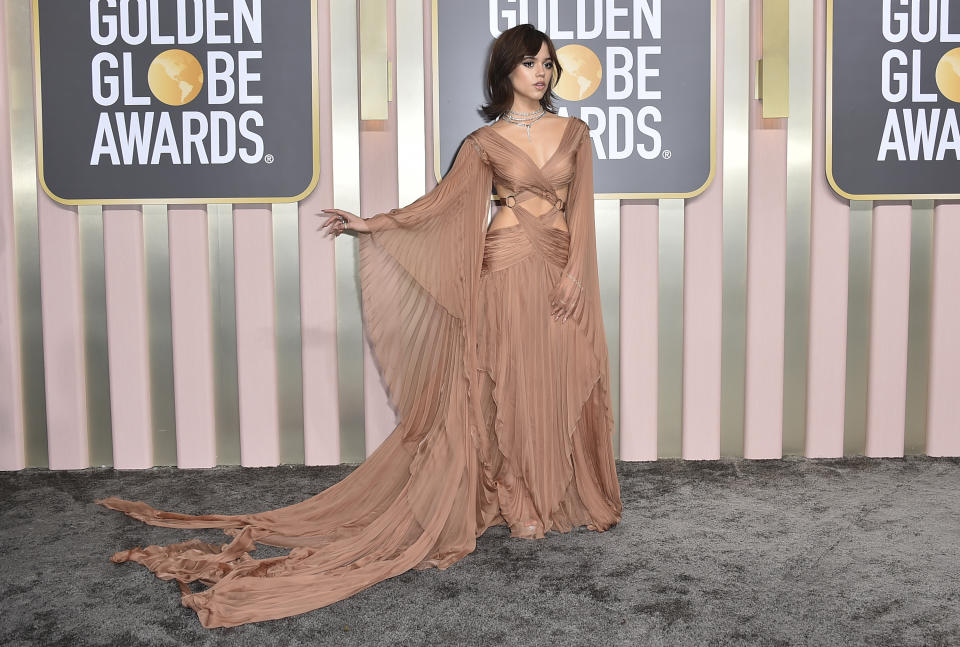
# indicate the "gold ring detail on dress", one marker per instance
pixel 506 201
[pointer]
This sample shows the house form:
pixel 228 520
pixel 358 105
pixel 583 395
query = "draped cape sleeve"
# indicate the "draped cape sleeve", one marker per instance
pixel 419 271
pixel 412 502
pixel 581 262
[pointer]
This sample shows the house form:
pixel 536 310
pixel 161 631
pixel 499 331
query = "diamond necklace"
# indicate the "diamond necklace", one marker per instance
pixel 525 119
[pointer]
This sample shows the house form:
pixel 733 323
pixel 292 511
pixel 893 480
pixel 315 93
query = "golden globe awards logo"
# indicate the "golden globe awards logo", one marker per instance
pixel 177 100
pixel 175 78
pixel 894 133
pixel 919 132
pixel 640 74
pixel 631 78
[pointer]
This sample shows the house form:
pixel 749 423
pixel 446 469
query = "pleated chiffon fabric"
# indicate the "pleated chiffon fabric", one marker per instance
pixel 504 414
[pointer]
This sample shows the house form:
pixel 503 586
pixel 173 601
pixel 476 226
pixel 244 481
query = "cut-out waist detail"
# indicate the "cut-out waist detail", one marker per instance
pixel 552 215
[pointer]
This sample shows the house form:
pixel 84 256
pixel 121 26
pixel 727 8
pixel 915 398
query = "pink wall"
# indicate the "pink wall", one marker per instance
pixel 128 326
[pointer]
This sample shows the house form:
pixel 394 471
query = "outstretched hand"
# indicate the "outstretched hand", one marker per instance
pixel 336 226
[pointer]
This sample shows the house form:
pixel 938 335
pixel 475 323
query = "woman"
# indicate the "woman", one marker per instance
pixel 491 344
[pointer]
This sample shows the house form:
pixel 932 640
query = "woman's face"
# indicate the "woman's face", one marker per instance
pixel 533 75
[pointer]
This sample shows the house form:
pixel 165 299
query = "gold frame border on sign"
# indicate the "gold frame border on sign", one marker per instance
pixel 315 119
pixel 599 196
pixel 828 163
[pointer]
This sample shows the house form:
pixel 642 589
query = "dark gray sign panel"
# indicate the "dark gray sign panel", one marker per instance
pixel 163 101
pixel 641 74
pixel 893 92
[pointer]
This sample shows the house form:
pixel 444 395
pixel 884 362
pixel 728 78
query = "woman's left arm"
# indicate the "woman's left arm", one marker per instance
pixel 568 296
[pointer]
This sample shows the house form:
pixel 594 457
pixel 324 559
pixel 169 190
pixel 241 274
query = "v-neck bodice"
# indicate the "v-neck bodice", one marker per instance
pixel 514 168
pixel 515 173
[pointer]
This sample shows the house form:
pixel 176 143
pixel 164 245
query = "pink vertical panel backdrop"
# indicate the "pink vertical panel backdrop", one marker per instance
pixel 61 307
pixel 889 318
pixel 318 294
pixel 943 410
pixel 703 298
pixel 127 337
pixel 639 334
pixel 378 176
pixel 190 314
pixel 766 272
pixel 829 260
pixel 256 336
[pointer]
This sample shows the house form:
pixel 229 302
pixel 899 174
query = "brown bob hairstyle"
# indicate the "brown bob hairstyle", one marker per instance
pixel 507 52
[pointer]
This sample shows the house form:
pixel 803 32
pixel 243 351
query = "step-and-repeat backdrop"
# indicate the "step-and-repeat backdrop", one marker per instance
pixel 773 282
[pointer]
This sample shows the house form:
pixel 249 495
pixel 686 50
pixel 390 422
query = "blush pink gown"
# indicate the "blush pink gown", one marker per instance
pixel 504 413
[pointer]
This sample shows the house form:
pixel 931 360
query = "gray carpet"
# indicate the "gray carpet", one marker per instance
pixel 798 551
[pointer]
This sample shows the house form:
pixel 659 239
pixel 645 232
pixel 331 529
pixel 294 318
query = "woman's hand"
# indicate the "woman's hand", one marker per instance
pixel 564 297
pixel 340 220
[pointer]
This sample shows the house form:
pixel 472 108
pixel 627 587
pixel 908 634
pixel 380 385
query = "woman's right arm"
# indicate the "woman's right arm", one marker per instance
pixel 441 201
pixel 337 226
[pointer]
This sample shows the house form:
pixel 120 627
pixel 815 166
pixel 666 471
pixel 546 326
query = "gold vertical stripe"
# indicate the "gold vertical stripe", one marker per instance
pixel 918 346
pixel 97 366
pixel 775 43
pixel 373 59
pixel 346 195
pixel 224 322
pixel 163 415
pixel 736 119
pixel 858 327
pixel 670 330
pixel 24 167
pixel 286 282
pixel 608 261
pixel 799 178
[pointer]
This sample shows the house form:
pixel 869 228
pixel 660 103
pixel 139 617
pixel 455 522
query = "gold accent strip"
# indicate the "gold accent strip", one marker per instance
pixel 224 333
pixel 858 328
pixel 918 345
pixel 345 165
pixel 193 200
pixel 775 69
pixel 670 331
pixel 96 364
pixel 286 282
pixel 163 415
pixel 607 214
pixel 736 146
pixel 24 180
pixel 829 136
pixel 799 178
pixel 373 60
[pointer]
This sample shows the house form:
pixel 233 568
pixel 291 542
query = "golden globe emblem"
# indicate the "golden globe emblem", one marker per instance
pixel 175 77
pixel 948 75
pixel 582 73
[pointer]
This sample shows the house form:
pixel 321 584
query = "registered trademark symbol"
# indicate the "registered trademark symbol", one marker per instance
pixel 268 158
pixel 667 154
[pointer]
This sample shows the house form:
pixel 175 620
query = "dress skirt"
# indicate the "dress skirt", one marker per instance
pixel 546 412
pixel 538 458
